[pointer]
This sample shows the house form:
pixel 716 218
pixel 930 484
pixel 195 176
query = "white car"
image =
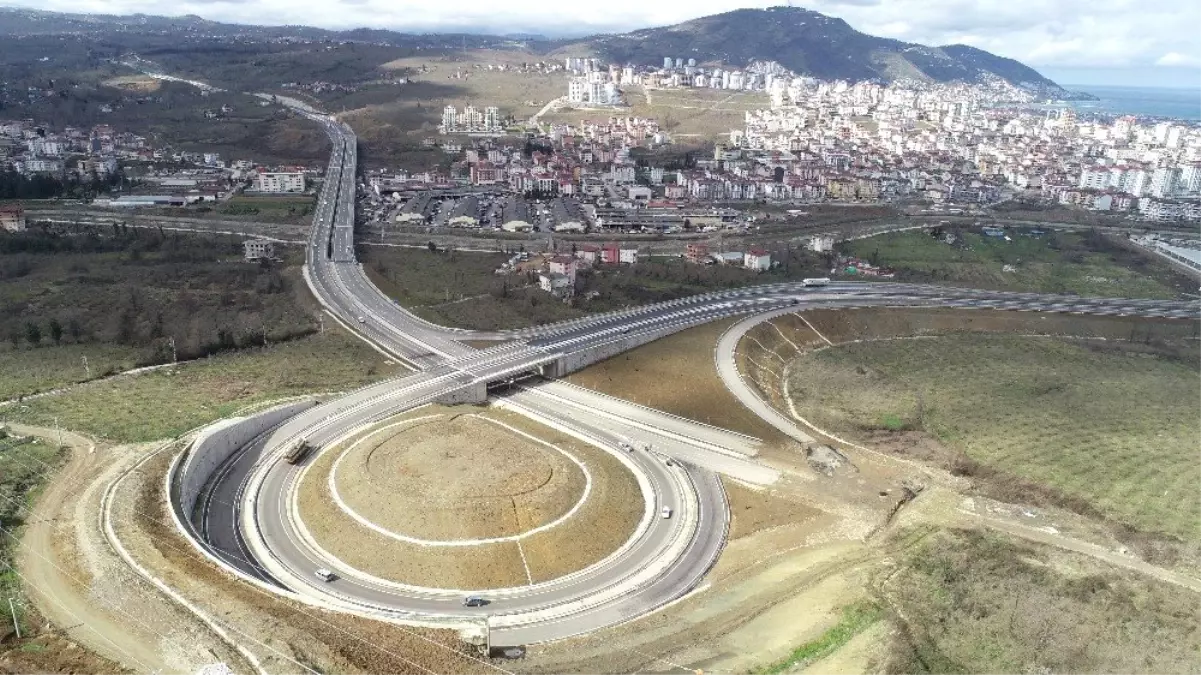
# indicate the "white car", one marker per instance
pixel 326 575
pixel 666 512
pixel 362 320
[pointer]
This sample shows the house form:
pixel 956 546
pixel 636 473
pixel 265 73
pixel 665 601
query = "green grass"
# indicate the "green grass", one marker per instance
pixel 1116 429
pixel 168 402
pixel 855 619
pixel 461 288
pixel 24 464
pixel 1056 262
pixel 25 371
pixel 282 209
pixel 979 602
pixel 122 298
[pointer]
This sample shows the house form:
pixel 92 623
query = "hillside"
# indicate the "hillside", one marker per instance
pixel 804 41
pixel 813 44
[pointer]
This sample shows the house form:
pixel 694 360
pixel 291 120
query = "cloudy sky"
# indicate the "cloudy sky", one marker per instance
pixel 1072 41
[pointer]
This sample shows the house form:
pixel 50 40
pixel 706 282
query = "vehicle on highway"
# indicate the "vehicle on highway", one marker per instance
pixel 325 575
pixel 475 601
pixel 816 281
pixel 299 450
pixel 362 319
pixel 669 462
pixel 666 512
pixel 625 446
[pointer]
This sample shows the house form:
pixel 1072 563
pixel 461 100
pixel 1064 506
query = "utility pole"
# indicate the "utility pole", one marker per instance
pixel 59 431
pixel 174 354
pixel 87 371
pixel 321 323
pixel 16 625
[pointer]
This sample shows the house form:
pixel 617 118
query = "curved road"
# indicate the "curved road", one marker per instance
pixel 247 516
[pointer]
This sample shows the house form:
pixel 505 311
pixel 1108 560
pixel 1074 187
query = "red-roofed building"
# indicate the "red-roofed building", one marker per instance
pixel 610 254
pixel 757 259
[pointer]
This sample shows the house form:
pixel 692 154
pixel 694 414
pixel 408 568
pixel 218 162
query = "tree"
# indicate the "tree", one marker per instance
pixel 14 336
pixel 74 328
pixel 56 331
pixel 432 247
pixel 33 333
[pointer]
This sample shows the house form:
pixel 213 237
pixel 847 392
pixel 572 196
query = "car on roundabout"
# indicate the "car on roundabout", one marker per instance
pixel 475 601
pixel 325 575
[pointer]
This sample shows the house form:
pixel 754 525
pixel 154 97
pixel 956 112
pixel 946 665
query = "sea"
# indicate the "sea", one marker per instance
pixel 1181 104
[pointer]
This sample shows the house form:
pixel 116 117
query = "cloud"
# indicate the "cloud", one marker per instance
pixel 1057 34
pixel 1176 59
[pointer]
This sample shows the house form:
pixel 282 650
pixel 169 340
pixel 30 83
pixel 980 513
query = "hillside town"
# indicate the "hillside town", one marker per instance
pixel 123 169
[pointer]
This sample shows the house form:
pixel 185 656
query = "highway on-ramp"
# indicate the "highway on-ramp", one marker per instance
pixel 247 515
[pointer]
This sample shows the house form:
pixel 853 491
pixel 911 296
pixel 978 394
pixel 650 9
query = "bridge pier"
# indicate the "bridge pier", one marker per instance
pixel 474 393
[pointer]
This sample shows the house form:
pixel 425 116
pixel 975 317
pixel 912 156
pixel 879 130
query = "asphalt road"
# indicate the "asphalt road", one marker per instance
pixel 251 497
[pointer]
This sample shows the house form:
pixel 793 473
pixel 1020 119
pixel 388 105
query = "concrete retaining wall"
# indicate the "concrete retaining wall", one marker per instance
pixel 476 393
pixel 574 361
pixel 217 442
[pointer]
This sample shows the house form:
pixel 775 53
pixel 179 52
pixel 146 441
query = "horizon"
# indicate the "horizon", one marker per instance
pixel 1059 43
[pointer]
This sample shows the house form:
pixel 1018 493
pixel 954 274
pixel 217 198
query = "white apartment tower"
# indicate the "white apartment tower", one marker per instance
pixel 450 118
pixel 278 182
pixel 1163 181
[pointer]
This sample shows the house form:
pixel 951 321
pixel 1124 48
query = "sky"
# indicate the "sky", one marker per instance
pixel 1116 42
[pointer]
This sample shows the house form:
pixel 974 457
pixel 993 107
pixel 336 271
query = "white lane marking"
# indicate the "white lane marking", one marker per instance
pixel 332 482
pixel 529 578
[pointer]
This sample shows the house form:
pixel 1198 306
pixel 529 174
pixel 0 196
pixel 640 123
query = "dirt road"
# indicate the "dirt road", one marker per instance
pixel 60 594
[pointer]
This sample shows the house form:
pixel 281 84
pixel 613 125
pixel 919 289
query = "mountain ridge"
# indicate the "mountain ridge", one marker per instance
pixel 802 40
pixel 811 43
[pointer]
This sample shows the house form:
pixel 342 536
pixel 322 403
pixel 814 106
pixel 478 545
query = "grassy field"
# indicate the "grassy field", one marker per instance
pixel 972 602
pixel 854 620
pixel 25 371
pixel 461 289
pixel 167 402
pixel 288 209
pixel 688 115
pixel 1117 430
pixel 121 298
pixel 1056 262
pixel 677 375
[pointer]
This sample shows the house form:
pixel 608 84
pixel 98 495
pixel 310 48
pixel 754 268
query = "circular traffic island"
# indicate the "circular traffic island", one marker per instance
pixel 466 499
pixel 461 478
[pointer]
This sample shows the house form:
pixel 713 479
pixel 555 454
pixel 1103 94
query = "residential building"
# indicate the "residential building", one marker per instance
pixel 696 252
pixel 555 284
pixel 610 254
pixel 564 265
pixel 278 182
pixel 627 256
pixel 12 218
pixel 757 259
pixel 258 249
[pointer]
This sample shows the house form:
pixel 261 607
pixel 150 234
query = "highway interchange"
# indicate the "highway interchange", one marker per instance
pixel 249 515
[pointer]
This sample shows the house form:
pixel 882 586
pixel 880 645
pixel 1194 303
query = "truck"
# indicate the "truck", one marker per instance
pixel 817 281
pixel 299 450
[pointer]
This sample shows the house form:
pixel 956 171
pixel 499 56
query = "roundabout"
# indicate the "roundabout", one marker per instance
pixel 411 522
pixel 457 481
pixel 442 498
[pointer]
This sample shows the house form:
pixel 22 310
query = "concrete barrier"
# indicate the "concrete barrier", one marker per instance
pixel 578 360
pixel 218 441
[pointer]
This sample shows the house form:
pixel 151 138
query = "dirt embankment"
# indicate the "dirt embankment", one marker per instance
pixel 469 477
pixel 81 586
